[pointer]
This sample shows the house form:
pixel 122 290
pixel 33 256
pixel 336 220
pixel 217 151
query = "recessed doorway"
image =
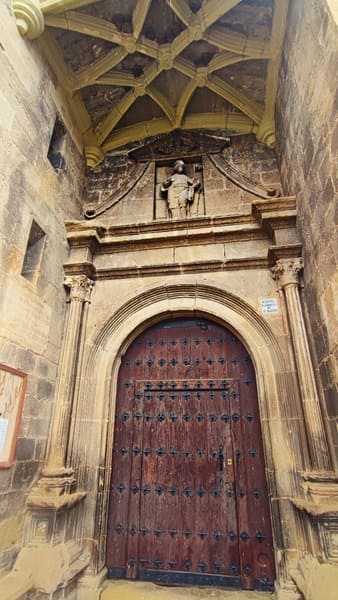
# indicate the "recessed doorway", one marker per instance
pixel 188 499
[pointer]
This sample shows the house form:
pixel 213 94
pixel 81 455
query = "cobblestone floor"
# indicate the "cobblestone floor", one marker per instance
pixel 137 590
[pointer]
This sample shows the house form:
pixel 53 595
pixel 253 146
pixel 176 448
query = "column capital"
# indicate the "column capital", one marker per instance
pixel 286 271
pixel 80 287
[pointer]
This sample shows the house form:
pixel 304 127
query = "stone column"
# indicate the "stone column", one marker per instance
pixel 53 526
pixel 286 272
pixel 80 287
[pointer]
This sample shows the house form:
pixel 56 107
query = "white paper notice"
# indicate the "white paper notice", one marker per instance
pixel 3 431
pixel 269 306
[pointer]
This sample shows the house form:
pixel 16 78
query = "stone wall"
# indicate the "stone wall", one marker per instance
pixel 32 307
pixel 307 142
pixel 220 195
pixel 253 160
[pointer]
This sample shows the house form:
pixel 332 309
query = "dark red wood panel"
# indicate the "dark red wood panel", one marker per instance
pixel 188 493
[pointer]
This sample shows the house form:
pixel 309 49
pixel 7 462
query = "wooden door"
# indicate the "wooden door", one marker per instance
pixel 188 499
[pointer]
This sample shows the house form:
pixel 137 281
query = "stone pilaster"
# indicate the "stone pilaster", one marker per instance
pixel 286 272
pixel 52 532
pixel 80 287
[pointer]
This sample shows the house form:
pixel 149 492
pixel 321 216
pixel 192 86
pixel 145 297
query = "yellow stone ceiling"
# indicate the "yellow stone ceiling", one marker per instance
pixel 134 69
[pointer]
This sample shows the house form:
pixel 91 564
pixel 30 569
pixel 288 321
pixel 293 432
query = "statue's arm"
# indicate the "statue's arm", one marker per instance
pixel 166 184
pixel 196 184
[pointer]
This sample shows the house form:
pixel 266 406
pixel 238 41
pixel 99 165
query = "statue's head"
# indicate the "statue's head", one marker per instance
pixel 179 166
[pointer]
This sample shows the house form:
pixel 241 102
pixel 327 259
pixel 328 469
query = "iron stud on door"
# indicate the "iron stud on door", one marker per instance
pixel 188 495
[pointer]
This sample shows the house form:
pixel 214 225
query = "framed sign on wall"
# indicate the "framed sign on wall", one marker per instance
pixel 12 392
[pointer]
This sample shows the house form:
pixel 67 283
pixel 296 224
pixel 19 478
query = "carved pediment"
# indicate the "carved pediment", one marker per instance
pixel 179 144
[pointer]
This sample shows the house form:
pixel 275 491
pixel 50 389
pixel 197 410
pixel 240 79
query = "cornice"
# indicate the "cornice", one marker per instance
pixel 111 242
pixel 90 239
pixel 172 268
pixel 266 216
pixel 284 252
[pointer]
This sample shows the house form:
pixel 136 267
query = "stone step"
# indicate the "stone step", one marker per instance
pixel 139 590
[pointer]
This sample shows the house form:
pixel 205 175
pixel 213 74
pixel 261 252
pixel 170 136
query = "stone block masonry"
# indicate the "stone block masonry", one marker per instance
pixel 131 266
pixel 222 197
pixel 32 311
pixel 307 145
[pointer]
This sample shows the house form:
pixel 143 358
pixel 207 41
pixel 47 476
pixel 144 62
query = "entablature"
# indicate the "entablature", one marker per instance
pixel 156 247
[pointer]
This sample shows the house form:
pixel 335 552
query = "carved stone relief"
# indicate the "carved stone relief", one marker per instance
pixel 179 191
pixel 147 178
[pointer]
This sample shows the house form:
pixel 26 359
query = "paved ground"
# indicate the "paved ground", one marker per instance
pixel 139 590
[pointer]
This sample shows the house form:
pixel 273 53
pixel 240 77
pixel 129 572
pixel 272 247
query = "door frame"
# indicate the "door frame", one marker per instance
pixel 98 382
pixel 228 433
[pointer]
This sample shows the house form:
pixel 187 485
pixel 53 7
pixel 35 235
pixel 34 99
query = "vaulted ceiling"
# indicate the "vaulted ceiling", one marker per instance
pixel 134 69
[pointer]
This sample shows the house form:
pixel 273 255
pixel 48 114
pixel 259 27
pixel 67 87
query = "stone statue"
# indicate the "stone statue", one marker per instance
pixel 181 192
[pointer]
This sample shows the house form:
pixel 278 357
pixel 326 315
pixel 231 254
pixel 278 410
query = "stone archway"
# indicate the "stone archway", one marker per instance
pixel 188 496
pixel 93 421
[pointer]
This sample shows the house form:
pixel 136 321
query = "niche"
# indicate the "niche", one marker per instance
pixel 34 251
pixel 164 170
pixel 56 150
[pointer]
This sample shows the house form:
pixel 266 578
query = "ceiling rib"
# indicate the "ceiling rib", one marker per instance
pixel 58 6
pixel 117 79
pixel 232 121
pixel 167 53
pixel 266 130
pixel 184 101
pixel 140 131
pixel 237 98
pixel 89 75
pixel 76 104
pixel 185 67
pixel 214 10
pixel 238 43
pixel 162 102
pixel 230 47
pixel 182 10
pixel 139 16
pixel 87 25
pixel 220 61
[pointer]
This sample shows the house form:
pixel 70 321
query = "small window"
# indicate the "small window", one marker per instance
pixel 57 144
pixel 33 254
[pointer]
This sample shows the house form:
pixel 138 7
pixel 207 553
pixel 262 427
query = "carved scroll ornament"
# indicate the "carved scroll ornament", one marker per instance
pixel 239 178
pixel 134 177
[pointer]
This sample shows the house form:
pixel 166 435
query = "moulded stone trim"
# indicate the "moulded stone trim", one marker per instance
pixel 29 18
pixel 94 419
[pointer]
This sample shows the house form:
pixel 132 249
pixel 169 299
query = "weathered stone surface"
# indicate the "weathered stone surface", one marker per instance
pixel 25 448
pixel 32 314
pixel 316 581
pixel 144 267
pixel 150 591
pixel 306 146
pixel 220 195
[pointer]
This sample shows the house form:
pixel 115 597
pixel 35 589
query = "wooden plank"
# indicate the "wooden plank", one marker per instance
pixel 200 511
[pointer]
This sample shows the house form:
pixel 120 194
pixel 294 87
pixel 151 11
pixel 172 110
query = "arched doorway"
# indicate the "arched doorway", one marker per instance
pixel 188 500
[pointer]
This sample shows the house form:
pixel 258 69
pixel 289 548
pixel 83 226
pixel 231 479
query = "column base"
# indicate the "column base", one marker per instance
pixel 45 570
pixel 52 558
pixel 320 503
pixel 90 586
pixel 316 581
pixel 287 592
pixel 52 567
pixel 56 491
